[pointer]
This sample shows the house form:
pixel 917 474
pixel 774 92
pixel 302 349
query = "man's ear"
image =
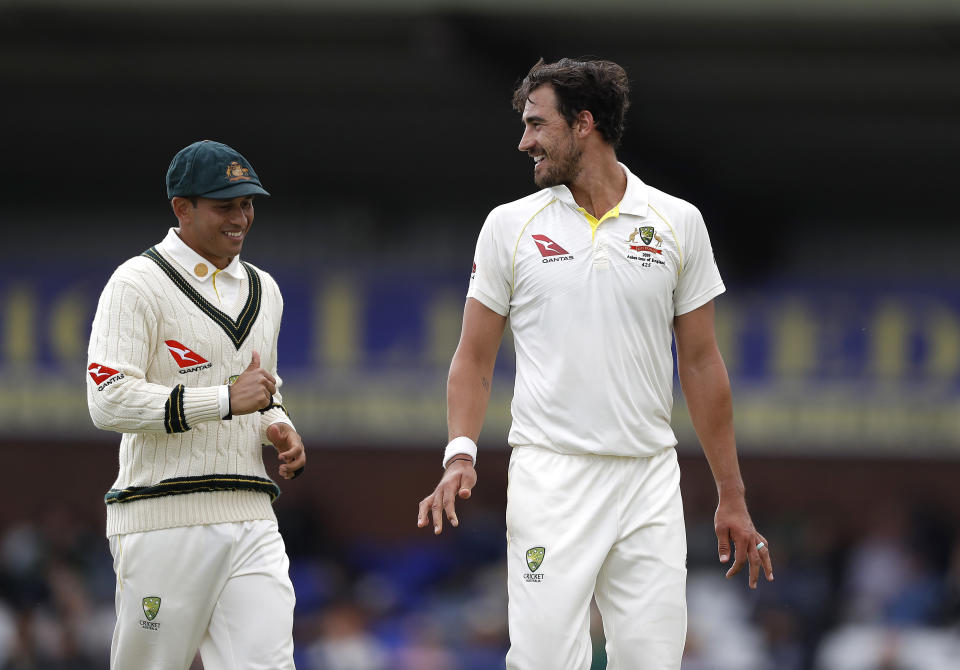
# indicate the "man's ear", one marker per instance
pixel 585 123
pixel 181 208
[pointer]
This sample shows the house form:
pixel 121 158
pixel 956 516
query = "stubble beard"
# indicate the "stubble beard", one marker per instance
pixel 564 168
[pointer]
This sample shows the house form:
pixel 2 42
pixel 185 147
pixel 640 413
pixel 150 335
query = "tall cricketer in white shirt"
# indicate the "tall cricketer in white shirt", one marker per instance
pixel 598 273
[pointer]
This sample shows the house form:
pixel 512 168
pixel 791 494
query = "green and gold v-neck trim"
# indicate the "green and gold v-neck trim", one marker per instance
pixel 237 330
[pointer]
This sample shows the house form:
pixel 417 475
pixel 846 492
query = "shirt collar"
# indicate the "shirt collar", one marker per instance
pixel 635 199
pixel 191 261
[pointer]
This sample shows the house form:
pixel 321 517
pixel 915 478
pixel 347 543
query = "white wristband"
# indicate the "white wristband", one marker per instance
pixel 460 445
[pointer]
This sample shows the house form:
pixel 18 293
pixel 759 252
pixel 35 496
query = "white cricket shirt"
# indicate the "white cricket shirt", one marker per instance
pixel 591 309
pixel 220 287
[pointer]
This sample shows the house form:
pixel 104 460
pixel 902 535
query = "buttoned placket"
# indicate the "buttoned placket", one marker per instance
pixel 600 259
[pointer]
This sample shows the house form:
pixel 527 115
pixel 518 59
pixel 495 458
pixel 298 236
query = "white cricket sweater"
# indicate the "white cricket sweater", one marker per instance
pixel 158 354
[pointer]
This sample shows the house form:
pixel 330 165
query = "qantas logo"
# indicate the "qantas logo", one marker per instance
pixel 101 373
pixel 550 250
pixel 103 376
pixel 548 247
pixel 184 356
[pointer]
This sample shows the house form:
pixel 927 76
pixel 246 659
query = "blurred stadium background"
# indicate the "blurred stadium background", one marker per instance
pixel 820 140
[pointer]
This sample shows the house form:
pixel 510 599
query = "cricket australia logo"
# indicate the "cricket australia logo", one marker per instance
pixel 645 245
pixel 151 607
pixel 534 561
pixel 647 235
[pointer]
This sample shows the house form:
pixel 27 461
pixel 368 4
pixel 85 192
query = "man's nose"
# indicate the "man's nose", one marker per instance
pixel 526 141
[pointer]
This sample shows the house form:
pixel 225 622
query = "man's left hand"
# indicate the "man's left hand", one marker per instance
pixel 733 525
pixel 289 447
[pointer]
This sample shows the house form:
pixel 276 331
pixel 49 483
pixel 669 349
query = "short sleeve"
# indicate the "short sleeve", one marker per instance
pixel 490 280
pixel 699 280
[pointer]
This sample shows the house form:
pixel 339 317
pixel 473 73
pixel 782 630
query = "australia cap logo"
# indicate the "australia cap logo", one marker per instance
pixel 236 172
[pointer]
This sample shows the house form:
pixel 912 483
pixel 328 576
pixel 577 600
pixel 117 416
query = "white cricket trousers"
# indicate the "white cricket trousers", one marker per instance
pixel 580 526
pixel 221 588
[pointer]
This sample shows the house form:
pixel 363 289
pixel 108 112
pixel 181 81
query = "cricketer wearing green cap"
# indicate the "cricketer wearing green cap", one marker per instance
pixel 211 189
pixel 183 363
pixel 211 170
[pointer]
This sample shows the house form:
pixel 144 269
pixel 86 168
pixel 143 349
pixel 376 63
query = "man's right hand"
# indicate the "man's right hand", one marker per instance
pixel 458 480
pixel 253 389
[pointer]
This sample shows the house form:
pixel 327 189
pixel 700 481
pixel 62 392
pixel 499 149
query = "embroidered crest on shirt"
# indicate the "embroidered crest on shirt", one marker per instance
pixel 646 245
pixel 647 235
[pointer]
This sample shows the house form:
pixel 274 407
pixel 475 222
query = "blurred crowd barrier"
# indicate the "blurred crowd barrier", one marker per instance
pixel 854 367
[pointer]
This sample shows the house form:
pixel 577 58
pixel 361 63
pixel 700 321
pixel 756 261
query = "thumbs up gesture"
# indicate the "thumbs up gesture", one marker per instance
pixel 253 389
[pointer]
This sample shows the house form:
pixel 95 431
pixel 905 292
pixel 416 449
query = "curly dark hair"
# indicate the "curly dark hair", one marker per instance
pixel 598 86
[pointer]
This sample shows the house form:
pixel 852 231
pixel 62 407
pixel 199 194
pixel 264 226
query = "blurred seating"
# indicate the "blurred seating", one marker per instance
pixel 885 598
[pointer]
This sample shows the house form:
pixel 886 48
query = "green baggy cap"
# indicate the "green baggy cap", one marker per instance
pixel 210 169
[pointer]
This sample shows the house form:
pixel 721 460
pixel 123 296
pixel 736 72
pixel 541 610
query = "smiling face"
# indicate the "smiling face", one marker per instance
pixel 215 229
pixel 549 140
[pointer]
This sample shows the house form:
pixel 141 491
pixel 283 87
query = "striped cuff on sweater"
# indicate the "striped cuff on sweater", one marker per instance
pixel 174 419
pixel 188 407
pixel 202 404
